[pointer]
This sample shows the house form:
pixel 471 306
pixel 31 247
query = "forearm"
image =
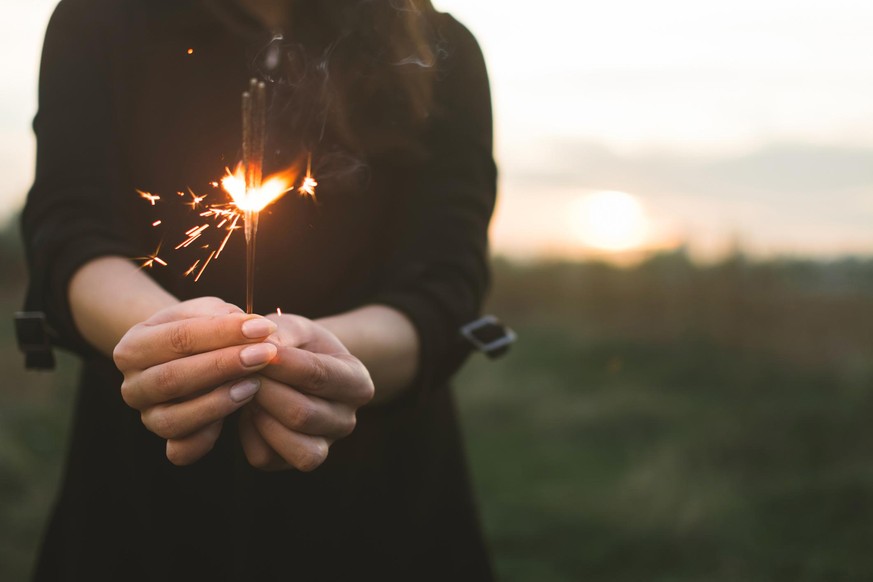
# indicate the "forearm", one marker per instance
pixel 110 295
pixel 384 340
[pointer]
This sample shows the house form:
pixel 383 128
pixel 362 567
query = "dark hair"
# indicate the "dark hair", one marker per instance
pixel 360 72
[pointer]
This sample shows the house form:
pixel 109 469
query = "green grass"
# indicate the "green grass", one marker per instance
pixel 661 423
pixel 685 461
pixel 674 451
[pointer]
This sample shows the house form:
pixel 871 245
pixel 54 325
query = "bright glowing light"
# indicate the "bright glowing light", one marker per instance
pixel 308 187
pixel 609 221
pixel 256 199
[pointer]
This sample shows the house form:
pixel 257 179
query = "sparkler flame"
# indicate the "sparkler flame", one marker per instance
pixel 309 183
pixel 248 199
pixel 308 186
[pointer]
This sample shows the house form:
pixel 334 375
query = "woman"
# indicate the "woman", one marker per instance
pixel 239 447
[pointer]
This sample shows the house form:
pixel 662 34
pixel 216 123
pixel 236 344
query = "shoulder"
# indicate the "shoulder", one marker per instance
pixel 461 60
pixel 93 10
pixel 454 38
pixel 84 22
pixel 113 12
pixel 102 25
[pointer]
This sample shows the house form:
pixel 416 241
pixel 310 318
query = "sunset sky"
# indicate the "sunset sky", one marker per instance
pixel 716 123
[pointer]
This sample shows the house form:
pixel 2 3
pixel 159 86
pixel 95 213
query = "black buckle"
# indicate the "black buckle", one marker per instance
pixel 32 333
pixel 489 336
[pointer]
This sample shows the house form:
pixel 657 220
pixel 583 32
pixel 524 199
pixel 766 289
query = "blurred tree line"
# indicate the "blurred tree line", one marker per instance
pixel 668 421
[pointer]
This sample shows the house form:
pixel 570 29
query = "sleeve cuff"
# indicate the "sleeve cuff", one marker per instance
pixel 49 290
pixel 442 349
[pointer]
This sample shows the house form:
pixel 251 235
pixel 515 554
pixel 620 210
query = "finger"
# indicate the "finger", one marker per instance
pixel 193 447
pixel 148 345
pixel 305 414
pixel 303 452
pixel 257 451
pixel 298 332
pixel 186 377
pixel 339 377
pixel 200 307
pixel 180 419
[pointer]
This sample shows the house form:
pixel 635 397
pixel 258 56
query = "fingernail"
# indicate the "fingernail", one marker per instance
pixel 257 354
pixel 258 327
pixel 245 389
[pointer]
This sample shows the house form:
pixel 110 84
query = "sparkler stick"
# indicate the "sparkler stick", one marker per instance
pixel 254 118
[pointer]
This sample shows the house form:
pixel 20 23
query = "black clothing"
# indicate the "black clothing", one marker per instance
pixel 124 106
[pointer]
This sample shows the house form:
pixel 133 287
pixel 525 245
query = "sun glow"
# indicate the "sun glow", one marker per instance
pixel 609 221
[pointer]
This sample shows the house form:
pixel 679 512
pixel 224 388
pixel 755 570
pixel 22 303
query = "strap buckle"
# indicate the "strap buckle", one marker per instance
pixel 489 335
pixel 33 336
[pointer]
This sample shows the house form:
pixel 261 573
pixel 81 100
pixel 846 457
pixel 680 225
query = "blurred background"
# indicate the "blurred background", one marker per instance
pixel 684 242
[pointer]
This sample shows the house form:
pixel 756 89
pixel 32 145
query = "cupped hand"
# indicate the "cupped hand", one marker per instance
pixel 308 398
pixel 187 367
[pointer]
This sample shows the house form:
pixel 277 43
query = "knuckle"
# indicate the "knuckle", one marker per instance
pixel 127 393
pixel 319 375
pixel 121 355
pixel 179 455
pixel 163 384
pixel 349 425
pixel 361 390
pixel 212 301
pixel 259 458
pixel 367 391
pixel 181 339
pixel 228 362
pixel 160 422
pixel 218 306
pixel 302 416
pixel 312 456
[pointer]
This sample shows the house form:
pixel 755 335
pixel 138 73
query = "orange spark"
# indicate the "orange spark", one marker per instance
pixel 156 223
pixel 197 278
pixel 150 260
pixel 191 269
pixel 149 196
pixel 190 51
pixel 193 234
pixel 230 230
pixel 195 199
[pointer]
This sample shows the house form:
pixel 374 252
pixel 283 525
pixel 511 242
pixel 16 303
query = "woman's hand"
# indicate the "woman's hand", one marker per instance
pixel 186 367
pixel 308 398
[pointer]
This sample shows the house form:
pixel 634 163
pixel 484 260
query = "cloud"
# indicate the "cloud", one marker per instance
pixel 780 198
pixel 779 171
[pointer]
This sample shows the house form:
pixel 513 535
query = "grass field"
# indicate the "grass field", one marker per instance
pixel 674 423
pixel 666 422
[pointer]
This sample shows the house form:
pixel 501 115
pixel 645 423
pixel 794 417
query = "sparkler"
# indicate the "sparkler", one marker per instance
pixel 254 121
pixel 249 192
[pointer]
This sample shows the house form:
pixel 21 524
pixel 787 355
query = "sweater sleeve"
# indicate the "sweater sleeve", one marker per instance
pixel 72 212
pixel 439 275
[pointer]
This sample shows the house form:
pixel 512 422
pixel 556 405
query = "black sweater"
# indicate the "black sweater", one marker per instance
pixel 124 106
